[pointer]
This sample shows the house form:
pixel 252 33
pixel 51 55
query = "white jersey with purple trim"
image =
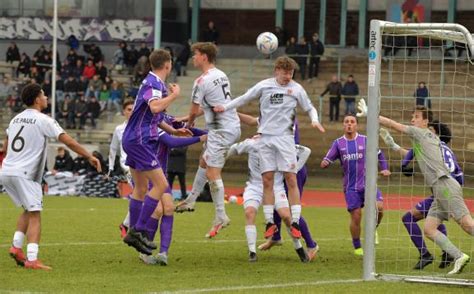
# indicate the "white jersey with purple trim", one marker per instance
pixel 255 177
pixel 28 134
pixel 210 89
pixel 116 147
pixel 277 105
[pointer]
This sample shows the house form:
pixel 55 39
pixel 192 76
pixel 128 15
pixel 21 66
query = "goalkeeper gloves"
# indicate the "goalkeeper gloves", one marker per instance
pixel 362 106
pixel 388 139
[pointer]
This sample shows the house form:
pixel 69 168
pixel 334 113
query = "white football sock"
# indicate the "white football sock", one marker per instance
pixel 295 213
pixel 296 242
pixel 268 213
pixel 32 251
pixel 217 193
pixel 126 220
pixel 251 233
pixel 200 180
pixel 18 239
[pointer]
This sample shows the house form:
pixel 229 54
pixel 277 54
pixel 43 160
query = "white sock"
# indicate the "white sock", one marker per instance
pixel 18 239
pixel 444 243
pixel 251 233
pixel 32 251
pixel 295 213
pixel 217 193
pixel 268 213
pixel 200 180
pixel 126 220
pixel 296 242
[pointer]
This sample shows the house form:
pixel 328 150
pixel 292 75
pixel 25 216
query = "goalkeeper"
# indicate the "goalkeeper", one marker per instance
pixel 448 200
pixel 421 209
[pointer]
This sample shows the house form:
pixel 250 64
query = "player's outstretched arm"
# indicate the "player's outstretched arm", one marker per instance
pixel 183 132
pixel 313 114
pixel 251 94
pixel 384 121
pixel 158 105
pixel 390 142
pixel 248 119
pixel 194 112
pixel 76 147
pixel 175 142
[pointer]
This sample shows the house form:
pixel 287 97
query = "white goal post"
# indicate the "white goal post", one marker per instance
pixel 431 41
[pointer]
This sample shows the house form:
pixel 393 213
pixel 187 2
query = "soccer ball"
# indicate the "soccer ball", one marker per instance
pixel 233 199
pixel 267 43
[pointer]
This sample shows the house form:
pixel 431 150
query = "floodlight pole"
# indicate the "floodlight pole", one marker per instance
pixel 55 57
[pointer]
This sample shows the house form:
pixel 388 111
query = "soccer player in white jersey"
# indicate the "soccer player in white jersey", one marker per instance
pixel 210 89
pixel 278 97
pixel 22 170
pixel 253 194
pixel 116 148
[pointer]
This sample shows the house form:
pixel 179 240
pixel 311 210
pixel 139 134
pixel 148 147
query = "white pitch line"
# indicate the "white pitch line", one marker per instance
pixel 267 286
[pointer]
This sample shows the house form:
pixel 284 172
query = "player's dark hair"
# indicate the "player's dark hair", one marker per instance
pixel 442 130
pixel 207 48
pixel 285 63
pixel 30 93
pixel 425 113
pixel 351 114
pixel 127 102
pixel 158 58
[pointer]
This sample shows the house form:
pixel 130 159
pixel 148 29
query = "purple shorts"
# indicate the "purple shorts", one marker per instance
pixel 424 205
pixel 142 157
pixel 355 200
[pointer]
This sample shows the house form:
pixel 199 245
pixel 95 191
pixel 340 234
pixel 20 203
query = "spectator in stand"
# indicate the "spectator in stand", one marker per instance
pixel 177 167
pixel 132 58
pixel 66 112
pixel 40 54
pixel 46 67
pixel 116 95
pixel 73 42
pixel 101 70
pixel 63 162
pixel 144 50
pixel 71 87
pixel 89 70
pixel 94 87
pixel 281 36
pixel 119 56
pixel 211 34
pixel 7 91
pixel 80 166
pixel 350 92
pixel 316 51
pixel 83 84
pixel 422 96
pixel 35 74
pixel 13 54
pixel 104 95
pixel 66 70
pixel 78 69
pixel 172 76
pixel 95 53
pixel 334 88
pixel 72 57
pixel 46 87
pixel 183 57
pixel 290 49
pixel 141 69
pixel 24 65
pixel 93 111
pixel 80 111
pixel 59 88
pixel 108 81
pixel 302 52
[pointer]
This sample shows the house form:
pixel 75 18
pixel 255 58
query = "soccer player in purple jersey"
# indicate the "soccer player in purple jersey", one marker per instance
pixel 420 211
pixel 163 213
pixel 448 195
pixel 140 142
pixel 350 150
pixel 311 244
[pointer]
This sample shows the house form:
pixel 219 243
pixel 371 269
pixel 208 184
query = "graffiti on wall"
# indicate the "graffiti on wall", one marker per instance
pixel 34 28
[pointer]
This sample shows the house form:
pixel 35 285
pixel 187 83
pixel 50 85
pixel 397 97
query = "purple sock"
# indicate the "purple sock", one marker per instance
pixel 310 243
pixel 356 243
pixel 166 230
pixel 442 229
pixel 151 228
pixel 415 233
pixel 134 207
pixel 277 220
pixel 149 205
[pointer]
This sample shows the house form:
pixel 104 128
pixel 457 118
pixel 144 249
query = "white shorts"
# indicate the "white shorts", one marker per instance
pixel 277 153
pixel 253 197
pixel 217 145
pixel 24 192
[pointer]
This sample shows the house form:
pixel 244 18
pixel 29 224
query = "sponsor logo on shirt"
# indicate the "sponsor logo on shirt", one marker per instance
pixel 276 98
pixel 352 156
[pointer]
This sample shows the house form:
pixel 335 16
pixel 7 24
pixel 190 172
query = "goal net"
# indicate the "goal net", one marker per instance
pixel 431 65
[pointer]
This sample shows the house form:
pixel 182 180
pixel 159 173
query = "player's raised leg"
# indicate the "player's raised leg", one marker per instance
pixel 200 180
